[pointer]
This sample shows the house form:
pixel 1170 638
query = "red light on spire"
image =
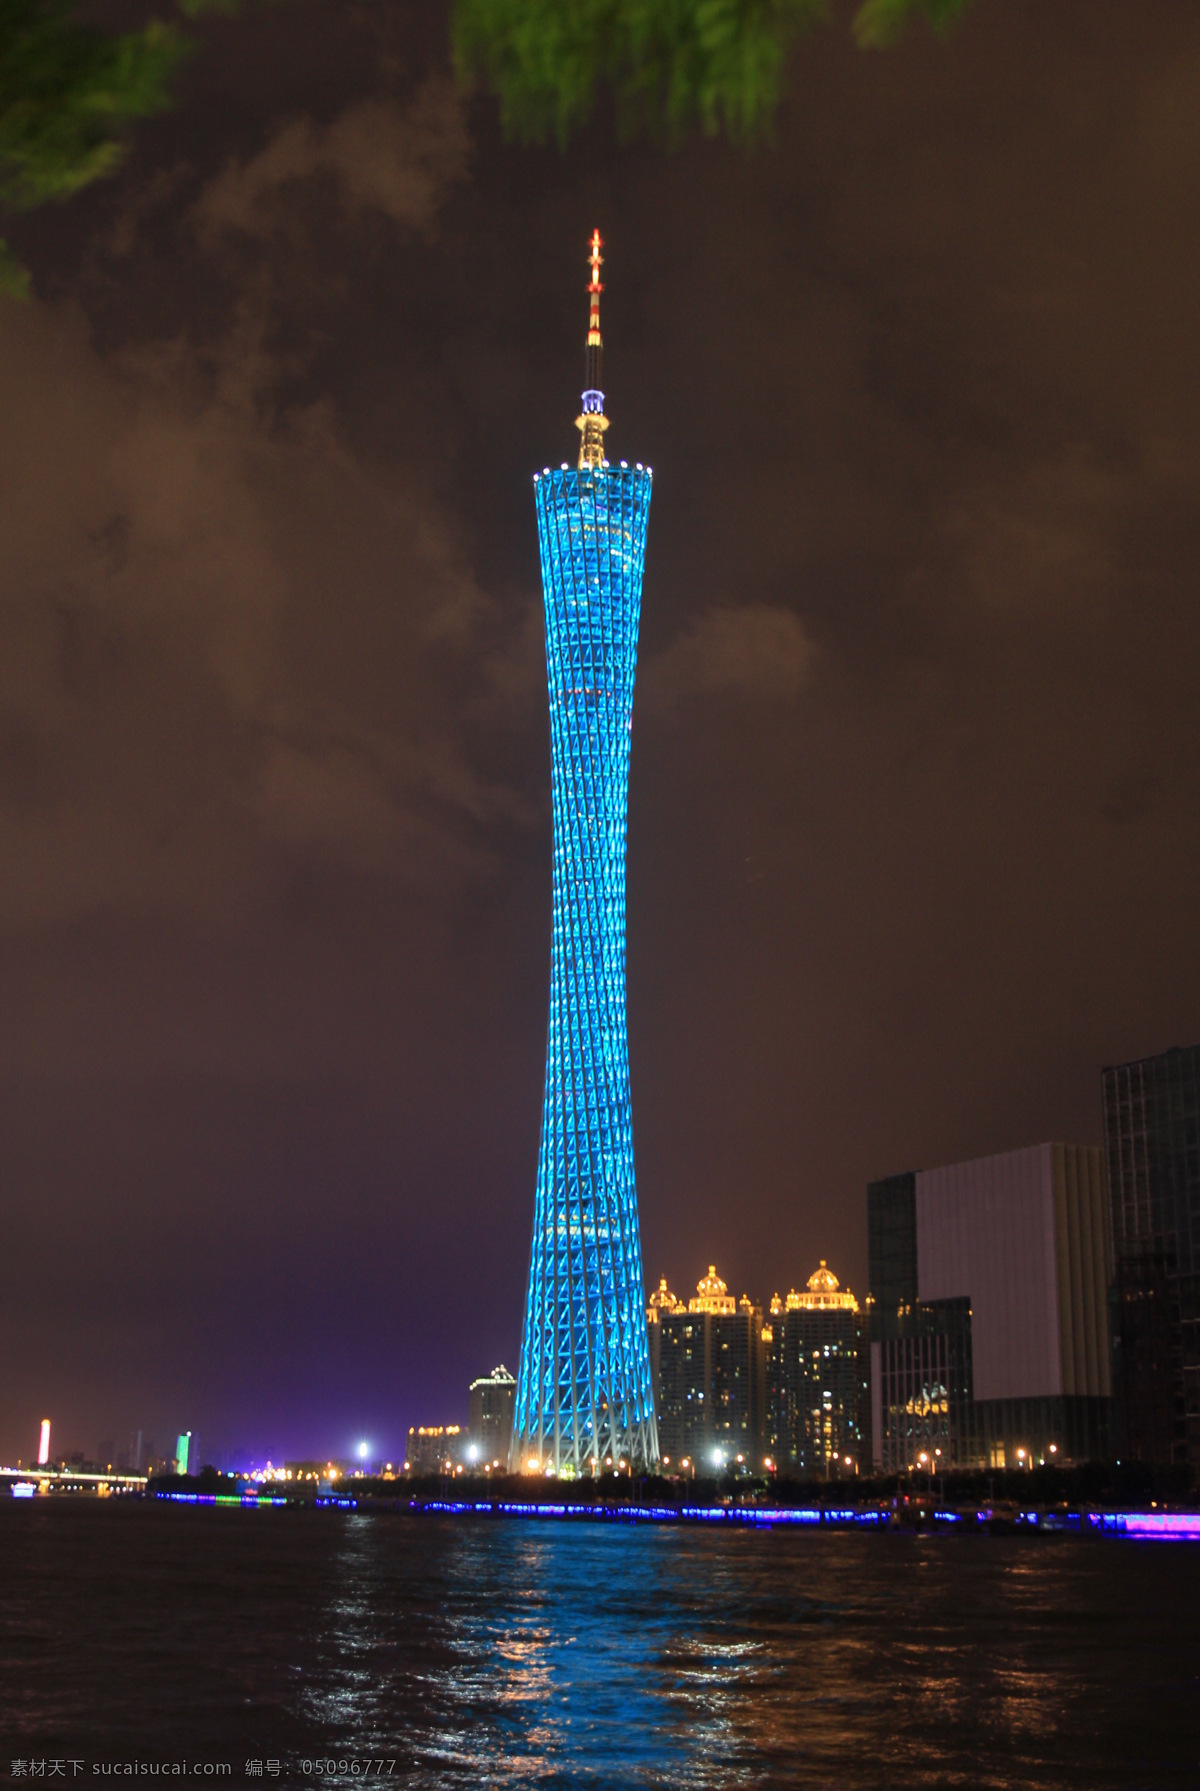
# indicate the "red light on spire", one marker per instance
pixel 593 422
pixel 594 291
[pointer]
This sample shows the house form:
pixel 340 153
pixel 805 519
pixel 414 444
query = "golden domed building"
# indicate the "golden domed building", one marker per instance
pixel 709 1377
pixel 816 1380
pixel 661 1304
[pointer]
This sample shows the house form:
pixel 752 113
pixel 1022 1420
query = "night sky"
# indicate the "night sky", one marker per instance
pixel 913 839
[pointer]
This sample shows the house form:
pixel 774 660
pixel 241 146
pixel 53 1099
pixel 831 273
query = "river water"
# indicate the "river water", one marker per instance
pixel 468 1652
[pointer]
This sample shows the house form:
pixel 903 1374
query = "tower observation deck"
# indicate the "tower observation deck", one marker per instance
pixel 584 1401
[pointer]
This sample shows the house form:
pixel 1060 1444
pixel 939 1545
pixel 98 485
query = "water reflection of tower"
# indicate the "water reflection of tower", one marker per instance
pixel 583 1392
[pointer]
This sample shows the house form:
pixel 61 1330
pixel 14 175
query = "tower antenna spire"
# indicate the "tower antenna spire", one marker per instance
pixel 593 422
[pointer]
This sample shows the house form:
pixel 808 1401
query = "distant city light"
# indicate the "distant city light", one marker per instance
pixel 362 1451
pixel 44 1444
pixel 718 1459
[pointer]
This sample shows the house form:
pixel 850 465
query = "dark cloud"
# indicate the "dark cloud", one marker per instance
pixel 176 531
pixel 759 651
pixel 381 157
pixel 912 835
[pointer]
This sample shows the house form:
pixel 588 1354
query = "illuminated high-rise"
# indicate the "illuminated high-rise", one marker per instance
pixel 815 1381
pixel 490 1427
pixel 584 1397
pixel 712 1380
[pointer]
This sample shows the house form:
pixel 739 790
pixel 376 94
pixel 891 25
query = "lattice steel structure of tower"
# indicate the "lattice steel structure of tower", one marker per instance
pixel 584 1400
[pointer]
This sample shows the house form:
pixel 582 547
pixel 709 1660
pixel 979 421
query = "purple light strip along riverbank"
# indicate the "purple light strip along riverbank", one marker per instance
pixel 1158 1526
pixel 1142 1526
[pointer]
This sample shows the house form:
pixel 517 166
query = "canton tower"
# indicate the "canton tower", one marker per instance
pixel 584 1399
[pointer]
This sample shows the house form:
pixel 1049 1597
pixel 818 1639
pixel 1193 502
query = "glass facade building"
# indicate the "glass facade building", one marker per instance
pixel 923 1414
pixel 989 1311
pixel 1152 1144
pixel 920 1351
pixel 584 1396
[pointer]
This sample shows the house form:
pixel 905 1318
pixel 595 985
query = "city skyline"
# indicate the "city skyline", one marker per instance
pixel 354 1445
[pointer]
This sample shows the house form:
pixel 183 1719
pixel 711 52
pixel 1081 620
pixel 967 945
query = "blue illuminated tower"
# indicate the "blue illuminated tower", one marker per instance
pixel 584 1397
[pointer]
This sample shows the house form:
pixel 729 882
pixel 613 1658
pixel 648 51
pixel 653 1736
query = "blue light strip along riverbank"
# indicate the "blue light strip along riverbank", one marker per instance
pixel 244 1499
pixel 1142 1525
pixel 1145 1526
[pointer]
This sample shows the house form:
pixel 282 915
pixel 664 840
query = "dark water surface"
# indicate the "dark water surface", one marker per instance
pixel 477 1652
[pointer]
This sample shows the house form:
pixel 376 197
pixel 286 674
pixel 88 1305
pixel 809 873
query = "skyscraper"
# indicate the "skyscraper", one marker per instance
pixel 1152 1141
pixel 661 1301
pixel 711 1377
pixel 920 1350
pixel 491 1421
pixel 584 1396
pixel 989 1324
pixel 815 1381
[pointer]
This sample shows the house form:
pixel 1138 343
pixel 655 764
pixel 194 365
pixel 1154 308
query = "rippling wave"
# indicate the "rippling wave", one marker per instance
pixel 482 1652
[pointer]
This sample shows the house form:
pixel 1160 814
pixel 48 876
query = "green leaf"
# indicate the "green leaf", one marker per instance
pixel 67 90
pixel 670 64
pixel 879 23
pixel 198 9
pixel 14 276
